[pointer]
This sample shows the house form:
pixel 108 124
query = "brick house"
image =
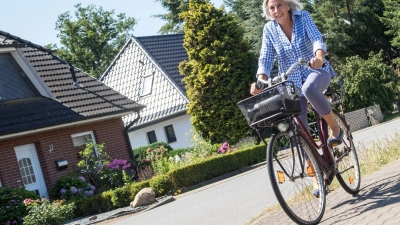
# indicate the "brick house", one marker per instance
pixel 48 111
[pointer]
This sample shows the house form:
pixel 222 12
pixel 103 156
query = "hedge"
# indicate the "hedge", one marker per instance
pixel 173 180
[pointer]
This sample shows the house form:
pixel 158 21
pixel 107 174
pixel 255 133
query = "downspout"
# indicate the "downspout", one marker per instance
pixel 127 138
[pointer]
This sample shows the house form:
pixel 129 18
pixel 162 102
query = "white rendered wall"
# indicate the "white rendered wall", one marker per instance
pixel 181 125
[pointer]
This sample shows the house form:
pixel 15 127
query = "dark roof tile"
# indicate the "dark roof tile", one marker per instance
pixel 93 99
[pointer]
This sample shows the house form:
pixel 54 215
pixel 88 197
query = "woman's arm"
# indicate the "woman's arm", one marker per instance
pixel 267 53
pixel 315 36
pixel 313 33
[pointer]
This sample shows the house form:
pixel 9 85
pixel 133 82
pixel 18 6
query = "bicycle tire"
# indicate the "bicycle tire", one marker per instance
pixel 346 159
pixel 295 196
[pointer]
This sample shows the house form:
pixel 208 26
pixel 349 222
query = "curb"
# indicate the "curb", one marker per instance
pixel 167 200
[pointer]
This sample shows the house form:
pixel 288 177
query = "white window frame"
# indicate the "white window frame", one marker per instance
pixel 82 134
pixel 147 85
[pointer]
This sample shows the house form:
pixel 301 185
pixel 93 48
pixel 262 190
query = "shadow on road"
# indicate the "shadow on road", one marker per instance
pixel 382 193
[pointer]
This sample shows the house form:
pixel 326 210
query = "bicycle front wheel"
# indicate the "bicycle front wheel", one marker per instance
pixel 294 179
pixel 346 159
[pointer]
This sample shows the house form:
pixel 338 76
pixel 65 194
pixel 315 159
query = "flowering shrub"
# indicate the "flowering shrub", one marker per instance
pixel 246 143
pixel 72 187
pixel 93 157
pixel 224 148
pixel 12 209
pixel 45 213
pixel 117 173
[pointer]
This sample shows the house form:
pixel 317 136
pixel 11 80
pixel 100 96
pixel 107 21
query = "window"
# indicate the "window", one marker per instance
pixel 82 138
pixel 152 136
pixel 169 131
pixel 147 85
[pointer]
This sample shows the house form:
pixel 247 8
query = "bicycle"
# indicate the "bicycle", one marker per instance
pixel 297 164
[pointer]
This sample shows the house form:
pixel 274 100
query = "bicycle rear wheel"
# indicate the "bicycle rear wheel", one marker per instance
pixel 346 159
pixel 292 182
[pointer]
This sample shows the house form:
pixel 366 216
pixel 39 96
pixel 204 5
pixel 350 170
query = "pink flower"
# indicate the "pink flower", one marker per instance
pixel 27 201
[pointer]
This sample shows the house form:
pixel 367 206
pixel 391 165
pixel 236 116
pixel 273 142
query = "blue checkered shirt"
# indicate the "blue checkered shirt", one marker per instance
pixel 306 40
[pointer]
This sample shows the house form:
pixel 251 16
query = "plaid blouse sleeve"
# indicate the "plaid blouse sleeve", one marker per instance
pixel 313 32
pixel 267 53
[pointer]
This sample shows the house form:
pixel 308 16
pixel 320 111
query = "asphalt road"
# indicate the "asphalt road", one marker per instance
pixel 236 200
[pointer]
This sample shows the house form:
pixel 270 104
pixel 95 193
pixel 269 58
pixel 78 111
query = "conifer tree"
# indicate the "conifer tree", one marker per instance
pixel 217 74
pixel 391 18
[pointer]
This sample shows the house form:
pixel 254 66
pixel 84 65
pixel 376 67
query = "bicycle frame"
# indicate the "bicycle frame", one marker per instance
pixel 325 160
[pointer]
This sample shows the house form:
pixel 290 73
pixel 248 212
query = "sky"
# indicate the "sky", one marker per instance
pixel 34 20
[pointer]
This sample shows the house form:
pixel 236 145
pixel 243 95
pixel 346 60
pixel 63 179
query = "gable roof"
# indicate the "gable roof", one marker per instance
pixel 142 56
pixel 76 95
pixel 168 52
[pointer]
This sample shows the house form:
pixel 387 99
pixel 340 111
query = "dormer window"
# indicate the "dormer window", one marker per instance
pixel 147 85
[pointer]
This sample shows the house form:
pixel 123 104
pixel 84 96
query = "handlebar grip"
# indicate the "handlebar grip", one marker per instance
pixel 258 85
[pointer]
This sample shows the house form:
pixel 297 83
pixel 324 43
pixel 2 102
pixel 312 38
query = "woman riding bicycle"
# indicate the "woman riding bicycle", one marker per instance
pixel 292 34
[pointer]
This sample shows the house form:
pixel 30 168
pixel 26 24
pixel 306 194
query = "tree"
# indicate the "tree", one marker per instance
pixel 249 16
pixel 391 17
pixel 352 27
pixel 174 22
pixel 369 82
pixel 217 75
pixel 92 40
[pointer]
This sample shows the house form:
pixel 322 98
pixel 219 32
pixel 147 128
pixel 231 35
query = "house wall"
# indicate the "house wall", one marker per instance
pixel 182 128
pixel 110 132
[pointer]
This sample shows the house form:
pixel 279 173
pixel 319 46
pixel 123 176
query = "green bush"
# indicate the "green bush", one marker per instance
pixel 161 185
pixel 45 213
pixel 12 208
pixel 216 166
pixel 140 152
pixel 174 180
pixel 180 151
pixel 72 187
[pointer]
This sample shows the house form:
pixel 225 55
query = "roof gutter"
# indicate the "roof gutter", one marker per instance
pixel 7 136
pixel 127 138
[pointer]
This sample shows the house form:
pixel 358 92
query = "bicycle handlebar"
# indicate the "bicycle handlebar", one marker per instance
pixel 283 76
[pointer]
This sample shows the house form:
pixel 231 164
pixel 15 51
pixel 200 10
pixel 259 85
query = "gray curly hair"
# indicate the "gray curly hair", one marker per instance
pixel 293 4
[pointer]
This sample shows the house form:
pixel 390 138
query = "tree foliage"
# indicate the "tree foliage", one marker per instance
pixel 352 27
pixel 391 18
pixel 249 15
pixel 92 39
pixel 217 75
pixel 174 22
pixel 369 82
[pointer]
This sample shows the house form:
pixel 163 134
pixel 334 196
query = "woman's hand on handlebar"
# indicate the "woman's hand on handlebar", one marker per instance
pixel 253 89
pixel 317 63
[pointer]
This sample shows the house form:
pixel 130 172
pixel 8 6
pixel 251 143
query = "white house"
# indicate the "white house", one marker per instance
pixel 146 70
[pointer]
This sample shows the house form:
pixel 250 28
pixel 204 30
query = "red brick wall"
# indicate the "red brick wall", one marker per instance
pixel 110 132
